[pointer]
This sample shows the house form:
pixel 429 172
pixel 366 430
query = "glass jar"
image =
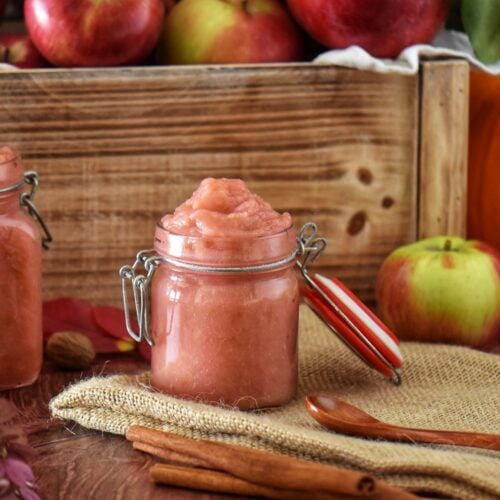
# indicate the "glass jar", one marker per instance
pixel 21 340
pixel 224 317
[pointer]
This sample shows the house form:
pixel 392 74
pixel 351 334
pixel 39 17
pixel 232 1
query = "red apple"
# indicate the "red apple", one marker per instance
pixel 382 27
pixel 94 32
pixel 20 51
pixel 442 289
pixel 169 5
pixel 229 31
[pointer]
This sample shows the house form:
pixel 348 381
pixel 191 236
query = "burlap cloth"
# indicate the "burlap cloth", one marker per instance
pixel 444 388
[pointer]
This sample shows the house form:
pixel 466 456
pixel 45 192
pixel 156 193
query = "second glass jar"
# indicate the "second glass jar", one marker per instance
pixel 21 341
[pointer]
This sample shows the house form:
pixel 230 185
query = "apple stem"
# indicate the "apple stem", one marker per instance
pixel 447 245
pixel 244 5
pixel 5 54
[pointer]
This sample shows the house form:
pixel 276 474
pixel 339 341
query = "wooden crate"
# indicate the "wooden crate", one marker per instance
pixel 375 160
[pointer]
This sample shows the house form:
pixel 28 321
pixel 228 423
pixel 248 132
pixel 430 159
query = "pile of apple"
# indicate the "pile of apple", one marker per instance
pixel 69 33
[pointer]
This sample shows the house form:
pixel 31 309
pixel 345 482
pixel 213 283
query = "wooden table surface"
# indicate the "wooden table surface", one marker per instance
pixel 75 463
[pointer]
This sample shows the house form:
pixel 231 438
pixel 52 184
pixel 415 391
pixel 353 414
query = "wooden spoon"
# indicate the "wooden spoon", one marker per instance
pixel 345 418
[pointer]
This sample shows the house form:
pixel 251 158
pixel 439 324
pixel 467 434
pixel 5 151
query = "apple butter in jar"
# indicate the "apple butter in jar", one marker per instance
pixel 224 299
pixel 21 341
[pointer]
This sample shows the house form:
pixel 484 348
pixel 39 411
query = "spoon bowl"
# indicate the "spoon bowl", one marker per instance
pixel 339 409
pixel 343 417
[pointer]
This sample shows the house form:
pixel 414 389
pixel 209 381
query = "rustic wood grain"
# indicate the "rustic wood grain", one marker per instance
pixel 443 153
pixel 80 464
pixel 117 148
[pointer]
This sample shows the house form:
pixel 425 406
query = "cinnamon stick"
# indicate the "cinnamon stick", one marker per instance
pixel 170 456
pixel 276 471
pixel 220 482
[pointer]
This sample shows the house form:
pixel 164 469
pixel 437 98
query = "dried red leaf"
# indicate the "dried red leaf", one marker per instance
pixel 75 315
pixel 112 321
pixel 145 350
pixel 68 314
pixel 125 345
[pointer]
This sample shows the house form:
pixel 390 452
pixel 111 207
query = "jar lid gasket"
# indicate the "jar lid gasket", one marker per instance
pixel 225 269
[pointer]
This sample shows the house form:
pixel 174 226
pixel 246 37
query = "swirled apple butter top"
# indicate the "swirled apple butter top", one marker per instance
pixel 224 221
pixel 226 208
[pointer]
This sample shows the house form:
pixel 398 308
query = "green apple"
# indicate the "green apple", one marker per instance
pixel 442 289
pixel 481 20
pixel 229 31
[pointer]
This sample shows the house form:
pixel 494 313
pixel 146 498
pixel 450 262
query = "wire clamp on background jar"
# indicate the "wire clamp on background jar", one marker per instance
pixel 26 200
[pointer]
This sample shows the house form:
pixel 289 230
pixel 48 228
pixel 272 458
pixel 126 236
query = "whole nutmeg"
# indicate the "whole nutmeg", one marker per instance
pixel 70 350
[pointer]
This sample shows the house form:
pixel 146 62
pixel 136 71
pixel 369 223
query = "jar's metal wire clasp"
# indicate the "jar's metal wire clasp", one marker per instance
pixel 26 200
pixel 310 248
pixel 148 260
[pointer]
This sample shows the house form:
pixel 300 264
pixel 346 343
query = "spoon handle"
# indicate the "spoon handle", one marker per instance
pixel 474 439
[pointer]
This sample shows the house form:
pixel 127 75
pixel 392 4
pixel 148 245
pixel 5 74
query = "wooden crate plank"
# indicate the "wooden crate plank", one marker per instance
pixel 117 148
pixel 443 151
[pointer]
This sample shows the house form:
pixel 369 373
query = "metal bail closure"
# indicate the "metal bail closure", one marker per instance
pixel 26 200
pixel 344 313
pixel 140 292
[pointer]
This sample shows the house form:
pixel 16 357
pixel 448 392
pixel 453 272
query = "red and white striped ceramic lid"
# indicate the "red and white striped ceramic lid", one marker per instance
pixel 344 313
pixel 354 323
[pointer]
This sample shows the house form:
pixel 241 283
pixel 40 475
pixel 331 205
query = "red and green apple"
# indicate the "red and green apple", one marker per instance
pixel 382 27
pixel 169 5
pixel 229 31
pixel 442 289
pixel 19 51
pixel 94 32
